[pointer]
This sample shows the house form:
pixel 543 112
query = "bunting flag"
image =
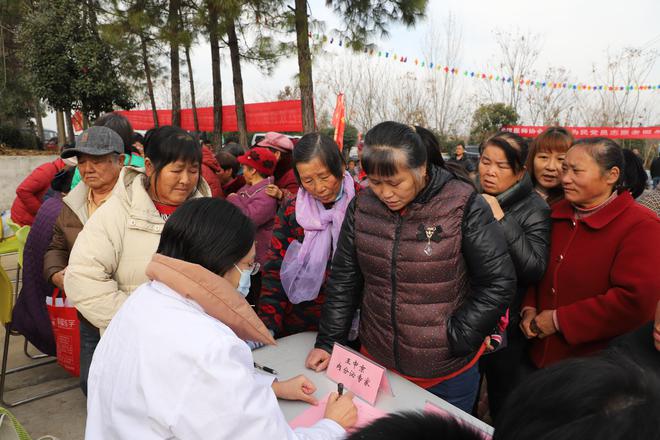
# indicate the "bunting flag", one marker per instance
pixel 581 86
pixel 585 132
pixel 339 121
pixel 281 116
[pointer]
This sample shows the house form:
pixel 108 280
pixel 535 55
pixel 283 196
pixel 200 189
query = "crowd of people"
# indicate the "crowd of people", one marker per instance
pixel 531 273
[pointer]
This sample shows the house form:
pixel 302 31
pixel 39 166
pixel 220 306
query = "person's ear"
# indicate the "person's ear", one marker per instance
pixel 613 176
pixel 121 159
pixel 149 167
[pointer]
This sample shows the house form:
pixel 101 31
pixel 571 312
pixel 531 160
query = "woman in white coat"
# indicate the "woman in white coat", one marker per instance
pixel 173 363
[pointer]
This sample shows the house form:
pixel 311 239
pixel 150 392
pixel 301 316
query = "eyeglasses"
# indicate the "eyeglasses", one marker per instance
pixel 253 268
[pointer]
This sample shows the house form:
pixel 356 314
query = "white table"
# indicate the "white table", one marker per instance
pixel 288 359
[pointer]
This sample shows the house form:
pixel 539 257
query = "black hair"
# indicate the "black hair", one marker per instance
pixel 207 231
pixel 284 163
pixel 417 426
pixel 234 148
pixel 120 125
pixel 634 179
pixel 607 154
pixel 317 145
pixel 227 160
pixel 606 397
pixel 62 180
pixel 383 140
pixel 231 139
pixel 515 148
pixel 137 137
pixel 204 138
pixel 167 144
pixel 433 152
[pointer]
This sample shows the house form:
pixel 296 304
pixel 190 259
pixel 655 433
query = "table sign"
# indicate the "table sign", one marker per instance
pixel 366 414
pixel 359 374
pixel 431 408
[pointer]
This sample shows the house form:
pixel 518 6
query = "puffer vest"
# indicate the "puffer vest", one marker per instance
pixel 409 295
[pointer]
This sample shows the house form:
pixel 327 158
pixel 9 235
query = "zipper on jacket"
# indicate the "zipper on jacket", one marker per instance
pixel 395 250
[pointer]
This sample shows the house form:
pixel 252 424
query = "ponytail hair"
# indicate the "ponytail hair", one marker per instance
pixel 435 156
pixel 634 176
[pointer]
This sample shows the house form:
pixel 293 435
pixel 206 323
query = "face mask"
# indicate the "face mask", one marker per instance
pixel 244 284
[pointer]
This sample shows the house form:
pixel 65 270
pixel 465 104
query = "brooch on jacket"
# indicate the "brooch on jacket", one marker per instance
pixel 429 234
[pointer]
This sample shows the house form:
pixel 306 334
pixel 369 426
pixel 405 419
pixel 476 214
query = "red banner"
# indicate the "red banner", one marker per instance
pixel 586 132
pixel 339 121
pixel 261 117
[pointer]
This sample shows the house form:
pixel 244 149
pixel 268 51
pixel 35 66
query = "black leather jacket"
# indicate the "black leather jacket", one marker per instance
pixel 526 225
pixel 491 275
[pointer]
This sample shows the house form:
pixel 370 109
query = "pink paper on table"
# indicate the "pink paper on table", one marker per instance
pixel 366 414
pixel 431 408
pixel 358 374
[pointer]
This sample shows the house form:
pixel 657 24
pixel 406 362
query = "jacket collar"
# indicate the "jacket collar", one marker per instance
pixel 213 293
pixel 438 177
pixel 563 210
pixel 77 201
pixel 134 196
pixel 257 187
pixel 516 193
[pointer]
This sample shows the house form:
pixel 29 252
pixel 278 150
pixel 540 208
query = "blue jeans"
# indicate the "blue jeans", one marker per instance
pixel 89 339
pixel 461 391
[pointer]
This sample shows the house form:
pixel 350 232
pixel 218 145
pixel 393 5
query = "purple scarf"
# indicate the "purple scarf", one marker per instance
pixel 303 267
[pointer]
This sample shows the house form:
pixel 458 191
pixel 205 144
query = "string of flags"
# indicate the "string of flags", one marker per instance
pixel 489 76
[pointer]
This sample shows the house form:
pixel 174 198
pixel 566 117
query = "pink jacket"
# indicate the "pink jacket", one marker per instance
pixel 261 208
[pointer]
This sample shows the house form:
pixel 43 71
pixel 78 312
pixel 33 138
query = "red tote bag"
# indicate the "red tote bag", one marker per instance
pixel 66 328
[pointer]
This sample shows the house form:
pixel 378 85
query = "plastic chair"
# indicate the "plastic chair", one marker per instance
pixel 6 307
pixel 21 233
pixel 21 236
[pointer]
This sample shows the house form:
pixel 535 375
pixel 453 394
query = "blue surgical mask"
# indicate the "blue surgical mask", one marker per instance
pixel 244 284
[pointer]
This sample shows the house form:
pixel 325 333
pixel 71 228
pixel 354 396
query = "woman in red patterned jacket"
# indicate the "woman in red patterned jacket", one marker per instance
pixel 305 235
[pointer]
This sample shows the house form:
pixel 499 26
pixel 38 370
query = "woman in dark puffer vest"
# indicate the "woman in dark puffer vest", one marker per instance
pixel 422 255
pixel 525 220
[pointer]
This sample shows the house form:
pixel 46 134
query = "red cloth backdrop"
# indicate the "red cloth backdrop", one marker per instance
pixel 585 132
pixel 261 116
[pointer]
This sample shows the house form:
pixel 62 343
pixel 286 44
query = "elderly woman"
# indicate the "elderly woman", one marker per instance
pixel 525 220
pixel 205 253
pixel 599 283
pixel 422 255
pixel 546 156
pixel 108 259
pixel 305 238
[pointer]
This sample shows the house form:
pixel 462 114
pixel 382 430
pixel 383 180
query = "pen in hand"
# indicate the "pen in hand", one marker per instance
pixel 340 389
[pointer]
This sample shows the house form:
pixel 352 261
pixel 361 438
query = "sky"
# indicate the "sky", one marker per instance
pixel 575 34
